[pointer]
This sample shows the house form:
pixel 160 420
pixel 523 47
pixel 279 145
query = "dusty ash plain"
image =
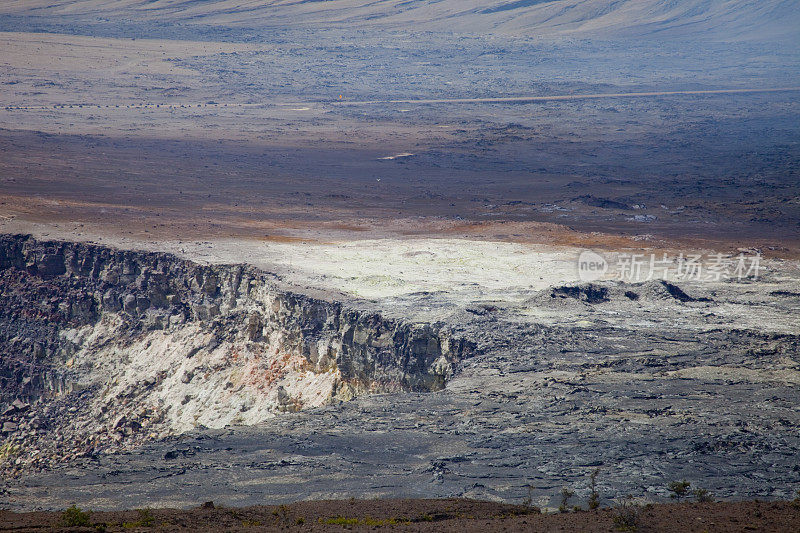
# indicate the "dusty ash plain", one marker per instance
pixel 241 264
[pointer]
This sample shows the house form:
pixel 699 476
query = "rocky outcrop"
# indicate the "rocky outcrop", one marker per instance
pixel 598 293
pixel 130 345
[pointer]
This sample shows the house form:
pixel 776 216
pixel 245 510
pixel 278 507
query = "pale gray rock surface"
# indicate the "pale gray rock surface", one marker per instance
pixel 647 389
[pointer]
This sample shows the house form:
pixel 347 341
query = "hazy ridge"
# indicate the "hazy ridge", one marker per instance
pixel 714 19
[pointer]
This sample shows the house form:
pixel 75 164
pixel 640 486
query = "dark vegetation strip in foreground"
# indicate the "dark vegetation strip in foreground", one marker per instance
pixel 426 515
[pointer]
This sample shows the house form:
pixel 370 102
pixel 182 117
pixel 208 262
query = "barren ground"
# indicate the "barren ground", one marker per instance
pixel 430 515
pixel 361 166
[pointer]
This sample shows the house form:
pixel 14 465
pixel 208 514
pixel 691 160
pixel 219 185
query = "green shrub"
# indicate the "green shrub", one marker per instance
pixel 679 489
pixel 340 521
pixel 75 517
pixel 9 451
pixel 703 495
pixel 370 521
pixel 594 497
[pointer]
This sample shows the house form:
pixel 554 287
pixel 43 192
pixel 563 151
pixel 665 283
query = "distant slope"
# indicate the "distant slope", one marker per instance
pixel 714 19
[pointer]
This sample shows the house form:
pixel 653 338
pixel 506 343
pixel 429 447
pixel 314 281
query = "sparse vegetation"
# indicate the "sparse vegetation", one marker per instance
pixel 9 451
pixel 626 514
pixel 566 496
pixel 679 489
pixel 340 521
pixel 145 519
pixel 368 521
pixel 74 516
pixel 703 496
pixel 594 496
pixel 629 514
pixel 282 511
pixel 528 500
pixel 376 522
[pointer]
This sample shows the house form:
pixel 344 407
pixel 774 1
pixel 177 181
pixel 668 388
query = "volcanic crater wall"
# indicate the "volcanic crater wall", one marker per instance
pixel 128 345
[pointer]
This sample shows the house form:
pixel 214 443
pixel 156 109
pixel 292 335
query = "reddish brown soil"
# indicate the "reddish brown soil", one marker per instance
pixel 426 515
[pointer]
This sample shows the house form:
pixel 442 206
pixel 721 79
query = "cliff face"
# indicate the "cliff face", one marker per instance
pixel 107 347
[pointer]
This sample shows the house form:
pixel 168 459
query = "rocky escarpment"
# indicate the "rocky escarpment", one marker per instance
pixel 103 348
